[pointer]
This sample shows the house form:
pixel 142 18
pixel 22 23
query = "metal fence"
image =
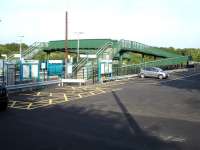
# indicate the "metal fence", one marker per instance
pixel 16 73
pixel 19 73
pixel 7 73
pixel 162 63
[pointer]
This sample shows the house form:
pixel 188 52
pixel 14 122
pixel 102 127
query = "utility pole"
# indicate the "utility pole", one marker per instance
pixel 66 51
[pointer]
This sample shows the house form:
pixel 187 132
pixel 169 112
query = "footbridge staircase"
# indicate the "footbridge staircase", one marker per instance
pixel 31 51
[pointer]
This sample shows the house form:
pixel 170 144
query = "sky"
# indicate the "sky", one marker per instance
pixel 161 23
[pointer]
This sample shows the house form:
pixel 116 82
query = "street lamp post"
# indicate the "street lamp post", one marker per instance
pixel 20 47
pixel 78 44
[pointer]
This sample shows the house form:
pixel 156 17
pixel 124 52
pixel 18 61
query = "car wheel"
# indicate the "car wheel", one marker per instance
pixel 160 76
pixel 142 75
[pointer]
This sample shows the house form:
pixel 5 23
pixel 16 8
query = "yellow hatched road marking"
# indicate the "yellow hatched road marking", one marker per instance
pixel 66 99
pixel 100 90
pixel 117 89
pixel 13 104
pixel 37 106
pixel 75 93
pixel 50 101
pixel 80 95
pixel 41 102
pixel 20 107
pixel 28 107
pixel 91 93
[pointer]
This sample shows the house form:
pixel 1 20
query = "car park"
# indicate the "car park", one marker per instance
pixel 153 72
pixel 3 98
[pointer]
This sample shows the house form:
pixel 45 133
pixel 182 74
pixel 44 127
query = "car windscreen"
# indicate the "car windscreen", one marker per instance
pixel 158 69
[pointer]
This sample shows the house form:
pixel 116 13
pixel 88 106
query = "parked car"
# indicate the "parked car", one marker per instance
pixel 153 72
pixel 3 98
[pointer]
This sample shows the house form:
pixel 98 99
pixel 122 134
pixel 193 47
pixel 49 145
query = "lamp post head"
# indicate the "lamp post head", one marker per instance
pixel 79 33
pixel 21 36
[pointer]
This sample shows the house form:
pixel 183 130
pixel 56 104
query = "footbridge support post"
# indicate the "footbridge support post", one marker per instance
pixel 142 58
pixel 120 59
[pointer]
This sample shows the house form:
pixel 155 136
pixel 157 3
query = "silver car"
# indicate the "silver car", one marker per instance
pixel 153 72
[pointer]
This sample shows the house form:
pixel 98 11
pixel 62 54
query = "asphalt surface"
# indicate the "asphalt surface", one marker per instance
pixel 142 114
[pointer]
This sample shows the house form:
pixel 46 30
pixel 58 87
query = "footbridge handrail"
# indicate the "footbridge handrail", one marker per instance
pixel 166 61
pixel 98 53
pixel 103 48
pixel 31 49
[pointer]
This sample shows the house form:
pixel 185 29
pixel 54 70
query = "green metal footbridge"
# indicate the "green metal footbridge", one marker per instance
pixel 92 46
pixel 102 49
pixel 94 50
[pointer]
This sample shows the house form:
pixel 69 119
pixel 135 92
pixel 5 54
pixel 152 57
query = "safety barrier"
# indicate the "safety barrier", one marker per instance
pixel 31 86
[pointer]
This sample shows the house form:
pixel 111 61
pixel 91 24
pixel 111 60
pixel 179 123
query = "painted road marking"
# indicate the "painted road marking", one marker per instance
pixel 117 89
pixel 20 105
pixel 172 138
pixel 41 101
pixel 25 94
pixel 76 93
pixel 66 99
pixel 13 104
pixel 37 106
pixel 80 95
pixel 100 90
pixel 91 93
pixel 50 101
pixel 28 107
